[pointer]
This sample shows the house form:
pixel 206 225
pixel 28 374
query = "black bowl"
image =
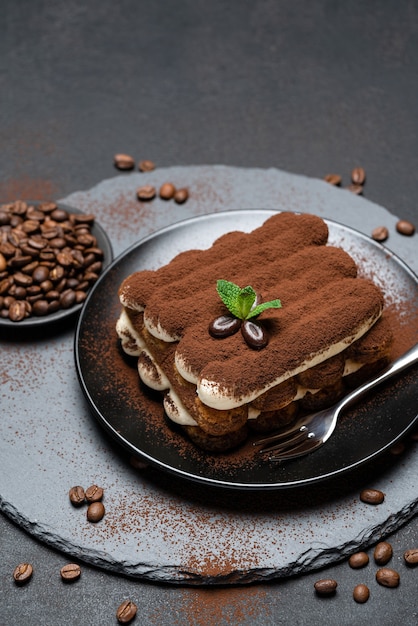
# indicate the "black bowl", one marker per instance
pixel 62 316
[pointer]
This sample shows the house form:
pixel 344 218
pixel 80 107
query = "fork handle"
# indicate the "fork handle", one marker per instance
pixel 405 361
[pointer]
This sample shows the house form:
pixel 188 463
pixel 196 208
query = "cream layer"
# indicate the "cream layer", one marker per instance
pixel 154 378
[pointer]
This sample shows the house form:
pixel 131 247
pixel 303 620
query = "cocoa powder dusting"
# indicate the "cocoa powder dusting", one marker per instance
pixel 211 607
pixel 26 188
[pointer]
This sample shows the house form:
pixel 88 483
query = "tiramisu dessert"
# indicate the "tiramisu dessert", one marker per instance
pixel 261 326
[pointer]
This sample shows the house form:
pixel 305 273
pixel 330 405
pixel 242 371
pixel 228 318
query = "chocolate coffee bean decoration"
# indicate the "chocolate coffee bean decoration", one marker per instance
pixel 224 326
pixel 254 335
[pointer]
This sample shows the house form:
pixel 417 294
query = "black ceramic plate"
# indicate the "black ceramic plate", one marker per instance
pixel 60 316
pixel 111 385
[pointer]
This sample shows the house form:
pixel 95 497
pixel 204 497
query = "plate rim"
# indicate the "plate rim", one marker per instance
pixel 244 486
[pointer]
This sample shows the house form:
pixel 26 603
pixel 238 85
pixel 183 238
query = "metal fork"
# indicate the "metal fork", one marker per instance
pixel 312 431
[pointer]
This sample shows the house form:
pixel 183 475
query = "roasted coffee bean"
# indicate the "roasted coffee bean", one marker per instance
pixel 77 495
pixel 126 612
pixel 95 267
pixel 53 307
pixel 89 259
pixel 19 261
pixel 46 286
pixel 357 189
pixel 20 292
pixel 57 273
pixel 146 192
pixel 23 573
pixel 86 239
pixel 31 226
pixel 372 496
pixel 47 258
pixel 380 233
pixel 411 556
pixel 358 176
pixel 357 560
pixel 5 285
pixel 361 593
pixel 124 162
pixel 181 195
pixel 383 552
pixel 18 310
pixel 59 215
pixel 65 259
pixel 40 308
pixel 405 228
pixel 47 207
pixel 30 268
pixel 67 298
pixel 85 219
pixel 58 243
pixel 387 577
pixel 95 512
pixel 254 335
pixel 37 242
pixel 24 280
pixel 70 572
pixel 146 166
pixel 4 218
pixel 333 179
pixel 167 191
pixel 94 493
pixel 80 296
pixel 326 586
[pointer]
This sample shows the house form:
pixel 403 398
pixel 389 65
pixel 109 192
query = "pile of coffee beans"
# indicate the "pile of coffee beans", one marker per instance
pixel 92 496
pixel 49 259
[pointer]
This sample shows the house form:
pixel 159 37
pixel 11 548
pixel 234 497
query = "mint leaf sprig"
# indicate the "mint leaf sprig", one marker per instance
pixel 240 302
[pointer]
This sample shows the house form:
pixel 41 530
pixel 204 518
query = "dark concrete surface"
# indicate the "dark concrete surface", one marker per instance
pixel 308 87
